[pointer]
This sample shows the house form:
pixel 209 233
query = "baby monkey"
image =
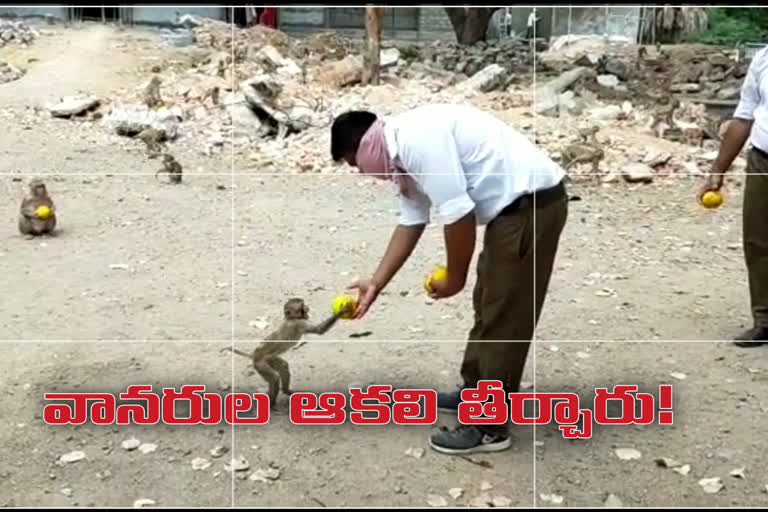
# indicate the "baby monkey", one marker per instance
pixel 172 167
pixel 266 357
pixel 152 97
pixel 34 220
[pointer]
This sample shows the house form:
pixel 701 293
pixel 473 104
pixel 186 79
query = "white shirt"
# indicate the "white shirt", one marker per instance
pixel 464 159
pixel 531 18
pixel 753 105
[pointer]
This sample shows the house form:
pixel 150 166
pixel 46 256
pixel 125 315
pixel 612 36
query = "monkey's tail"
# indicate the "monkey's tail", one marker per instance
pixel 238 352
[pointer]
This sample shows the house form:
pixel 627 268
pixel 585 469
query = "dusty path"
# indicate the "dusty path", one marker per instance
pixel 639 263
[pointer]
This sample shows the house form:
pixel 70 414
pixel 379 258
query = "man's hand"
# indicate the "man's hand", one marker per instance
pixel 368 292
pixel 712 183
pixel 735 134
pixel 445 289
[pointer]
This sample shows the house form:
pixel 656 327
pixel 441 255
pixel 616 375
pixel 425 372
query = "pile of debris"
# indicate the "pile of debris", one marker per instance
pixel 513 55
pixel 665 91
pixel 16 32
pixel 313 49
pixel 9 72
pixel 646 75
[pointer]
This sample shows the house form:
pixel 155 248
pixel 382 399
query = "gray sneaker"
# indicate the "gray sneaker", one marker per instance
pixel 466 439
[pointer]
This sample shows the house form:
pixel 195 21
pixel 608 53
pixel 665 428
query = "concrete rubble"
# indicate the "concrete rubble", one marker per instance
pixel 9 72
pixel 16 32
pixel 276 95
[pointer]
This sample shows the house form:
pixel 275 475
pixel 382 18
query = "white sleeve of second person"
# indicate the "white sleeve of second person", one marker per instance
pixel 750 93
pixel 434 162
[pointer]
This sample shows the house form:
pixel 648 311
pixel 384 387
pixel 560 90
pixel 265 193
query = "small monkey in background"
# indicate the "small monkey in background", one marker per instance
pixel 152 97
pixel 212 93
pixel 266 357
pixel 34 220
pixel 172 167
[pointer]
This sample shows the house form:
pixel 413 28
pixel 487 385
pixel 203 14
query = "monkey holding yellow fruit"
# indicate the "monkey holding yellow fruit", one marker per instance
pixel 345 305
pixel 43 212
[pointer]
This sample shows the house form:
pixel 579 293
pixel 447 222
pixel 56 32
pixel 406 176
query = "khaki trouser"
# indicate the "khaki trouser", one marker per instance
pixel 504 293
pixel 755 234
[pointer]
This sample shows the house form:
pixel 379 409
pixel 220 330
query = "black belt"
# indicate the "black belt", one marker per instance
pixel 543 197
pixel 760 151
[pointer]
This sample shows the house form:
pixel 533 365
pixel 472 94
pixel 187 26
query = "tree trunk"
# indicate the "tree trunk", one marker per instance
pixel 470 23
pixel 373 17
pixel 673 24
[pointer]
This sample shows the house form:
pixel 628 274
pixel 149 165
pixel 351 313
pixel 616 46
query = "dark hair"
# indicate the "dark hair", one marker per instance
pixel 347 130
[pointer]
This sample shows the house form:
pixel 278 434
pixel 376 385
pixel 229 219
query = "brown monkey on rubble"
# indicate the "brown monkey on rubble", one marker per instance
pixel 266 357
pixel 37 214
pixel 172 167
pixel 152 97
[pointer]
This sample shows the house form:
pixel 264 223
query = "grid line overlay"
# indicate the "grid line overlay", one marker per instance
pixel 233 339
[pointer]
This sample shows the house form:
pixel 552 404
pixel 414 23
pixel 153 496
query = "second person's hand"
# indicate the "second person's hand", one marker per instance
pixel 712 183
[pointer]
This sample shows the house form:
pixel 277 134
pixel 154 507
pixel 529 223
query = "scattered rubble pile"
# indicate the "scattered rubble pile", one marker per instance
pixel 9 72
pixel 512 55
pixel 16 32
pixel 629 89
pixel 646 77
pixel 277 107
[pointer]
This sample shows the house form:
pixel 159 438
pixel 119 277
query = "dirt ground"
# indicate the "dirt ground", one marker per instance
pixel 642 275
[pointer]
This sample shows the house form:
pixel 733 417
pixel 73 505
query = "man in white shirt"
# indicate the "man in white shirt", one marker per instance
pixel 750 122
pixel 472 169
pixel 532 22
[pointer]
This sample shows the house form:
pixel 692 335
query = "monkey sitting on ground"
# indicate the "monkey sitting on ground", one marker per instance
pixel 152 97
pixel 33 222
pixel 172 167
pixel 266 357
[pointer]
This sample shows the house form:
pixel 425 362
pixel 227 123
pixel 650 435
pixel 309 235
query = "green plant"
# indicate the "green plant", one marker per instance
pixel 731 26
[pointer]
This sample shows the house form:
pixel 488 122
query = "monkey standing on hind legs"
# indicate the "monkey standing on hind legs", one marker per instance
pixel 172 167
pixel 266 357
pixel 152 97
pixel 37 214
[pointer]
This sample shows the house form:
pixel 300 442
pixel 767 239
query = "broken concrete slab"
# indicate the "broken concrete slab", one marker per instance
pixel 637 173
pixel 729 93
pixel 349 70
pixel 245 122
pixel 618 67
pixel 72 106
pixel 488 79
pixel 9 72
pixel 608 80
pixel 605 113
pixel 546 99
pixel 130 120
pixel 588 60
pixel 282 108
pixel 685 87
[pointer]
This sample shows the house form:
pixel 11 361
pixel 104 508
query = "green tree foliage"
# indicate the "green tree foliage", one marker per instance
pixel 731 26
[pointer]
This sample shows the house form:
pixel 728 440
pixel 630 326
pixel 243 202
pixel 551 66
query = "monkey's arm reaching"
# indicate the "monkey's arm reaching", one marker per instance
pixel 323 327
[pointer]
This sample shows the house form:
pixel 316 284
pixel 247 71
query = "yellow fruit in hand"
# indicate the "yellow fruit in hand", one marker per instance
pixel 342 302
pixel 43 212
pixel 711 199
pixel 439 274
